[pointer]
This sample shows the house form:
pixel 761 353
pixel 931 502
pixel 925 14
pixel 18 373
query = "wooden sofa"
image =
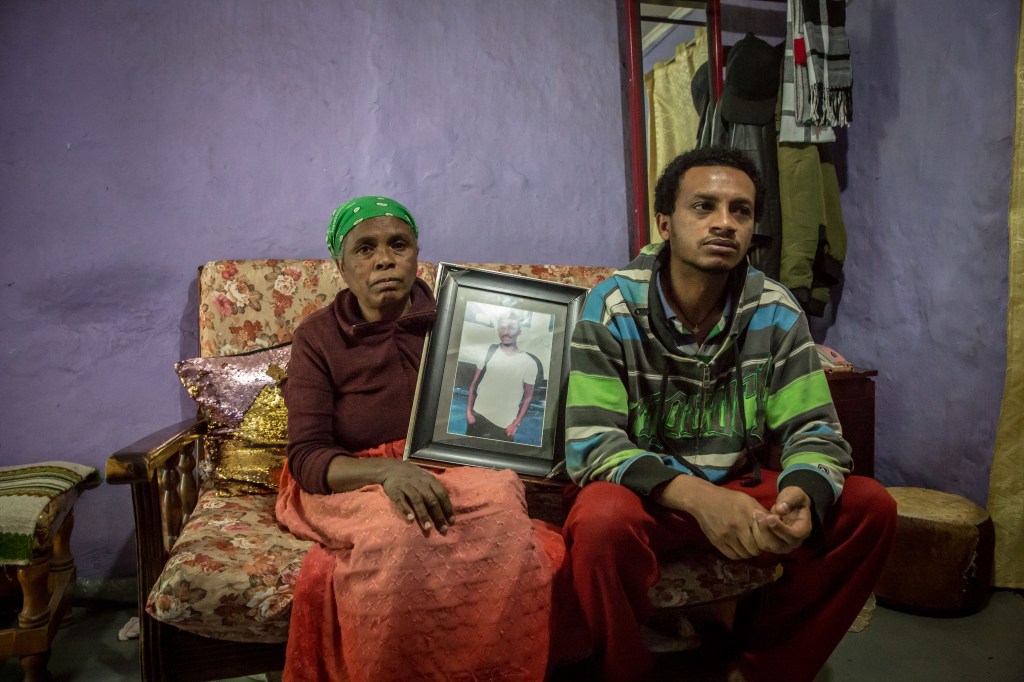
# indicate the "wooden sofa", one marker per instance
pixel 237 625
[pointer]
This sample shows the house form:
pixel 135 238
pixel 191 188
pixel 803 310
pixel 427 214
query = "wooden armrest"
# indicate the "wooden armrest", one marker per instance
pixel 142 459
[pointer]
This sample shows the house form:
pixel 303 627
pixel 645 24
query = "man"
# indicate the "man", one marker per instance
pixel 502 386
pixel 684 364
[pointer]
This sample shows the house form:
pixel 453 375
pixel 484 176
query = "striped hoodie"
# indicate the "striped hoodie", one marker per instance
pixel 639 413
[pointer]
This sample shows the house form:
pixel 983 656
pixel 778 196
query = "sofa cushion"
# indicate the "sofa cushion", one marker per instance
pixel 702 577
pixel 232 573
pixel 587 276
pixel 241 398
pixel 247 305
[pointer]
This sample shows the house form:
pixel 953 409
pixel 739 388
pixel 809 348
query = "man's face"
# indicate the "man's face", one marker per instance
pixel 713 222
pixel 508 332
pixel 378 261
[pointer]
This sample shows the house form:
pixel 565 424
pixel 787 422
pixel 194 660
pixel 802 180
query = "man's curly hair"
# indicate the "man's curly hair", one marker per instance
pixel 666 192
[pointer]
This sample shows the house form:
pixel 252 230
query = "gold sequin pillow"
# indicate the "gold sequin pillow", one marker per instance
pixel 240 396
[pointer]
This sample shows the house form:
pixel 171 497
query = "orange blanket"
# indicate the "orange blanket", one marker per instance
pixel 378 601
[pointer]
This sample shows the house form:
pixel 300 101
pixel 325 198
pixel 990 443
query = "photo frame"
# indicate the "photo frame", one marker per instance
pixel 492 382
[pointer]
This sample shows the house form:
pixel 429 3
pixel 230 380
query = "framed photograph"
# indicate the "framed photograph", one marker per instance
pixel 491 389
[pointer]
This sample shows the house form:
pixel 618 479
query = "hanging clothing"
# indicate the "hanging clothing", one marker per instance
pixel 759 143
pixel 672 119
pixel 829 97
pixel 813 231
pixel 798 123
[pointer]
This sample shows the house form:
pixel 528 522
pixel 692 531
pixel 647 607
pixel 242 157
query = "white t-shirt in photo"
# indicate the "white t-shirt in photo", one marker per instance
pixel 500 392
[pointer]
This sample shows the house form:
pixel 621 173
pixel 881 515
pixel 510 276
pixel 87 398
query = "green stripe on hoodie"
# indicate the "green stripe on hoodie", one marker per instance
pixel 621 423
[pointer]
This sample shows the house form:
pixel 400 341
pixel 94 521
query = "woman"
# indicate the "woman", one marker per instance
pixel 354 364
pixel 381 596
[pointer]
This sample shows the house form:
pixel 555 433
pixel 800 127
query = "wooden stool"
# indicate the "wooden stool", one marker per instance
pixel 40 560
pixel 941 561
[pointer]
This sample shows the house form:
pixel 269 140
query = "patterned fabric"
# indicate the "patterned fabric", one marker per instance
pixel 705 577
pixel 829 83
pixel 579 275
pixel 225 388
pixel 798 120
pixel 32 498
pixel 241 398
pixel 247 305
pixel 232 573
pixel 355 211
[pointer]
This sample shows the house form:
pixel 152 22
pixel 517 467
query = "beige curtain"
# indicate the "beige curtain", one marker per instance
pixel 1006 487
pixel 672 120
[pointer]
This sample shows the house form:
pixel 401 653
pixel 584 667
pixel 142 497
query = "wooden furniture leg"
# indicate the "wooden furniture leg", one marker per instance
pixel 35 613
pixel 62 562
pixel 46 586
pixel 47 582
pixel 34 579
pixel 34 667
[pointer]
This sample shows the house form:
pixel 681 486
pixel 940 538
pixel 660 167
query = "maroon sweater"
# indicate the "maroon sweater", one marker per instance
pixel 351 383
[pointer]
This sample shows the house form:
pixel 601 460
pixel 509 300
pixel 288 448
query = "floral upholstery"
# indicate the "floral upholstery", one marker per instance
pixel 231 574
pixel 247 305
pixel 580 275
pixel 704 577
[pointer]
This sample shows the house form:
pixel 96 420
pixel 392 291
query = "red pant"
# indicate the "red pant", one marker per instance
pixel 615 537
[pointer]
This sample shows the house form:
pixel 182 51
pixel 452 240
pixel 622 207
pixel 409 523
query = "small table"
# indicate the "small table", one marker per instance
pixel 853 394
pixel 42 562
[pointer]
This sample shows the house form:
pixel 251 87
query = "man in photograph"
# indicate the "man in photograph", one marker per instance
pixel 502 386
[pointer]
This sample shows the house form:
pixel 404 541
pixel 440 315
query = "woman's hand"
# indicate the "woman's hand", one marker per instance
pixel 418 495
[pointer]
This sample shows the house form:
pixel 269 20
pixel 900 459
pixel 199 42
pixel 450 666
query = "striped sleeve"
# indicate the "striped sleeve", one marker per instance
pixel 598 447
pixel 799 409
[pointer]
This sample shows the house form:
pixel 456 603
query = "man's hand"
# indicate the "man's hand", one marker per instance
pixel 419 495
pixel 725 516
pixel 787 524
pixel 470 419
pixel 524 405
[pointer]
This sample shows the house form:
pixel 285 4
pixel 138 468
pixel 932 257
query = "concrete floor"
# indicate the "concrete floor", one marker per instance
pixel 895 647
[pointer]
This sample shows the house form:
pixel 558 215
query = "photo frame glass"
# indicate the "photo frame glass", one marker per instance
pixel 491 389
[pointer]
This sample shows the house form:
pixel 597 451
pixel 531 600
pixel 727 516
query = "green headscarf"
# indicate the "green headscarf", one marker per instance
pixel 353 212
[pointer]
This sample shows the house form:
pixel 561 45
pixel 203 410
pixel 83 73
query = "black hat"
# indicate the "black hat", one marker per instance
pixel 751 82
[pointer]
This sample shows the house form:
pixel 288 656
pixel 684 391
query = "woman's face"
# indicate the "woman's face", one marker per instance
pixel 378 261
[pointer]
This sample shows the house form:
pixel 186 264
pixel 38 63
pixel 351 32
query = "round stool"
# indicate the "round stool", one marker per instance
pixel 941 561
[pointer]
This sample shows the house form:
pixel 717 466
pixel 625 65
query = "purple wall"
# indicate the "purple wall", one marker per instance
pixel 141 139
pixel 926 201
pixel 138 140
